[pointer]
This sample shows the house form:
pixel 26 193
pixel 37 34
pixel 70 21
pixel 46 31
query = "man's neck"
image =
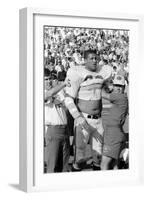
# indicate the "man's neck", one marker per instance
pixel 99 68
pixel 89 69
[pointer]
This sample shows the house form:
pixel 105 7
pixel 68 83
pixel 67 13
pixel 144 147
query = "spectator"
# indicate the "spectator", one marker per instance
pixel 56 136
pixel 113 120
pixel 61 74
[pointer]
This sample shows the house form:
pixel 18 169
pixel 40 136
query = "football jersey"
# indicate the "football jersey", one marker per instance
pixel 85 84
pixel 54 114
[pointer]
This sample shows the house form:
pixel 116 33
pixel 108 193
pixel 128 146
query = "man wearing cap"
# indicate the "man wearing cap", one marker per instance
pixel 57 149
pixel 83 100
pixel 113 120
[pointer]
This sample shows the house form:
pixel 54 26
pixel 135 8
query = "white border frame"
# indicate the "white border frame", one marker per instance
pixel 27 107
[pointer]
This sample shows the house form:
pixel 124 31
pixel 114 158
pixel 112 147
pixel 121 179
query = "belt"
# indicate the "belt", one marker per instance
pixel 56 126
pixel 93 116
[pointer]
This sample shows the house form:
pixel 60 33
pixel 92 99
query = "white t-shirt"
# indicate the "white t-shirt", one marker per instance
pixel 55 114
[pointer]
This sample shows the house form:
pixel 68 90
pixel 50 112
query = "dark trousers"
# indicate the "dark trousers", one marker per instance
pixel 57 149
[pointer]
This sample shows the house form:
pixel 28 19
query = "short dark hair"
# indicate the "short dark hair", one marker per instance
pixel 89 51
pixel 53 77
pixel 46 72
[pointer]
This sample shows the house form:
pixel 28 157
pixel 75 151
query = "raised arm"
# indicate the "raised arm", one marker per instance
pixel 54 90
pixel 71 94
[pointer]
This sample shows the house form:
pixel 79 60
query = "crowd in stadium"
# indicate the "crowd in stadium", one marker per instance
pixel 64 48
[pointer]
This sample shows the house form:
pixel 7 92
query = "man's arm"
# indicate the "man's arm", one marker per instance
pixel 71 94
pixel 105 95
pixel 79 119
pixel 69 102
pixel 54 90
pixel 71 91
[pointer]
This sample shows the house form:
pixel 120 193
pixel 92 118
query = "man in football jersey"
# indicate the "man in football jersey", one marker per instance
pixel 84 102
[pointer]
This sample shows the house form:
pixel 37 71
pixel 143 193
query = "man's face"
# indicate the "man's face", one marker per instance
pixel 47 83
pixel 91 62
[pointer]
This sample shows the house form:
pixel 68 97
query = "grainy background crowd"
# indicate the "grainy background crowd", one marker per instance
pixel 64 48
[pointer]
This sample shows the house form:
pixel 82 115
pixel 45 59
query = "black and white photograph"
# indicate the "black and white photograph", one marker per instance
pixel 79 92
pixel 73 100
pixel 86 99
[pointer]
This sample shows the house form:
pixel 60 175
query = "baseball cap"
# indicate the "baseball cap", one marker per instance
pixel 119 80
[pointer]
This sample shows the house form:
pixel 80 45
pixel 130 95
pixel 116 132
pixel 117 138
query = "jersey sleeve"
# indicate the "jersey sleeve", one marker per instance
pixel 106 72
pixel 74 81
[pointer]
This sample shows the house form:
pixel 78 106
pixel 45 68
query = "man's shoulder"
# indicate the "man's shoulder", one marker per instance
pixel 74 74
pixel 79 68
pixel 106 71
pixel 76 70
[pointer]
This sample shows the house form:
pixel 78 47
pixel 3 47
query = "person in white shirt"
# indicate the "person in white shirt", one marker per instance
pixel 57 148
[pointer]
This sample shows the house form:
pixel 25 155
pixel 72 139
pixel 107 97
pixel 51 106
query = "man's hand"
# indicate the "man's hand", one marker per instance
pixel 57 102
pixel 97 136
pixel 67 83
pixel 81 121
